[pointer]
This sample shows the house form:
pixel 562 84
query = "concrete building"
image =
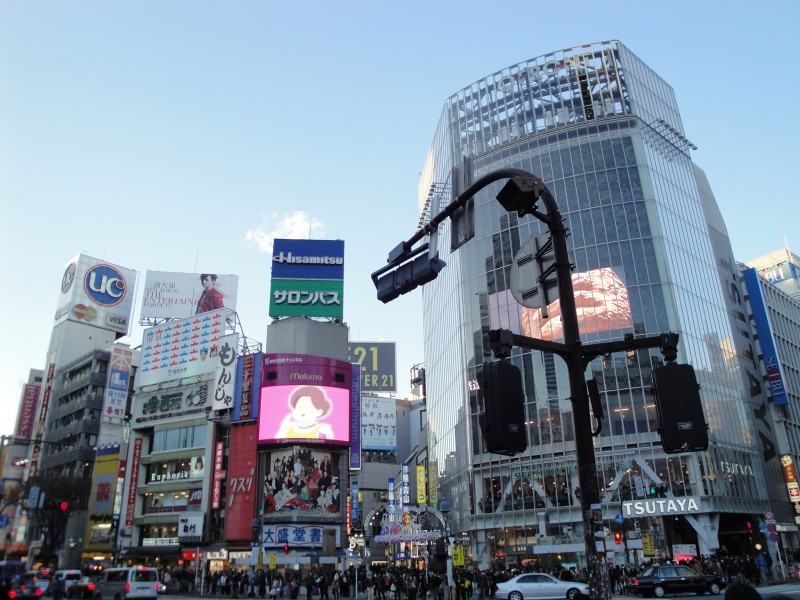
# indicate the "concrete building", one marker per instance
pixel 93 311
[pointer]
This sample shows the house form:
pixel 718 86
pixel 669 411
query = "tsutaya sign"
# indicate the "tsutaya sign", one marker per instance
pixel 661 506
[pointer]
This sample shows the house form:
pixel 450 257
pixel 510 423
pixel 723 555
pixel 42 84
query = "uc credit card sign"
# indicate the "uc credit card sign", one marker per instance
pixel 96 292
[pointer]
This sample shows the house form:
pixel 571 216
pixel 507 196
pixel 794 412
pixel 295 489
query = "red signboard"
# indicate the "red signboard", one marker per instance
pixel 243 488
pixel 134 483
pixel 27 412
pixel 219 475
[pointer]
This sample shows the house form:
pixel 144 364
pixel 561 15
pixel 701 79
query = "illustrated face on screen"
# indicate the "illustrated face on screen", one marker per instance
pixel 307 405
pixel 317 413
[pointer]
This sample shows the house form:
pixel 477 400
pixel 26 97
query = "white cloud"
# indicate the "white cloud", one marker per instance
pixel 295 225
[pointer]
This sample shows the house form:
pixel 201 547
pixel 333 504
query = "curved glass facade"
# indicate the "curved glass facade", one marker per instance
pixel 651 255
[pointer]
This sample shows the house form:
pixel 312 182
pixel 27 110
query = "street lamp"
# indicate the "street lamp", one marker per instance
pixel 444 508
pixel 521 194
pixel 255 526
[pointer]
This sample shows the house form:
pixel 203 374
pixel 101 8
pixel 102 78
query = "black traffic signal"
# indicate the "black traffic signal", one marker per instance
pixel 749 526
pixel 679 409
pixel 617 537
pixel 503 418
pixel 286 548
pixel 408 276
pixel 63 506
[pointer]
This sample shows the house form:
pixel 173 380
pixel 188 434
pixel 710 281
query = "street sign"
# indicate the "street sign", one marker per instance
pixel 773 537
pixel 768 514
pixel 619 518
pixel 771 527
pixel 533 280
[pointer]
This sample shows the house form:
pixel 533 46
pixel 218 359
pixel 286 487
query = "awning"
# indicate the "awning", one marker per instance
pixel 150 551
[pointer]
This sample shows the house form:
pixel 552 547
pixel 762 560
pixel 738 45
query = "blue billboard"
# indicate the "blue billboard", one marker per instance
pixel 308 259
pixel 765 338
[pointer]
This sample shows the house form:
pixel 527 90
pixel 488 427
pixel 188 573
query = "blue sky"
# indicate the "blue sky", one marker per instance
pixel 185 135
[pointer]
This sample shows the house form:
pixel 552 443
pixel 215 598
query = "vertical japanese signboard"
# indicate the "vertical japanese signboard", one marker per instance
pixel 134 484
pixel 391 505
pixel 421 495
pixel 405 488
pixel 219 475
pixel 225 380
pixel 119 375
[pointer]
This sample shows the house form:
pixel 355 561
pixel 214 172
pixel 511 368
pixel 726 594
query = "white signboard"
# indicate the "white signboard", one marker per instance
pixel 181 348
pixel 297 536
pixel 180 295
pixel 190 526
pixel 378 423
pixel 97 293
pixel 661 506
pixel 225 380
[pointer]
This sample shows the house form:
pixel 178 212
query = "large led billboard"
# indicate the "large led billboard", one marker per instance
pixel 180 295
pixel 302 480
pixel 304 398
pixel 97 293
pixel 601 301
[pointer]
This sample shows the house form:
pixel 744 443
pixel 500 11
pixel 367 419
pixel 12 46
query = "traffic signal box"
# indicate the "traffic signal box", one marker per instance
pixel 503 418
pixel 679 409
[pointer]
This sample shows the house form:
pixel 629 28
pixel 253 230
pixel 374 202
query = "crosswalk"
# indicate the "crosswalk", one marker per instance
pixel 788 590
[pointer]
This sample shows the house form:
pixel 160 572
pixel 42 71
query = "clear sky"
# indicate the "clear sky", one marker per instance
pixel 185 135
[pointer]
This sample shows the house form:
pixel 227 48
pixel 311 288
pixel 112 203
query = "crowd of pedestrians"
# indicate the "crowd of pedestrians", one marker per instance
pixel 404 583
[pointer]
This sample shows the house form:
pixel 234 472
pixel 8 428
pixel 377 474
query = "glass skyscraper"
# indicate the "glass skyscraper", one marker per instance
pixel 651 254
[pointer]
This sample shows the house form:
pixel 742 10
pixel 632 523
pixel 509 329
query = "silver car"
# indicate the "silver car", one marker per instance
pixel 540 586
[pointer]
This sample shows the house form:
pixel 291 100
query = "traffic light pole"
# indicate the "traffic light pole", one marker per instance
pixel 521 194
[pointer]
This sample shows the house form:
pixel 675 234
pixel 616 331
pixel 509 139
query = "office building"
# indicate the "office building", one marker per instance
pixel 651 254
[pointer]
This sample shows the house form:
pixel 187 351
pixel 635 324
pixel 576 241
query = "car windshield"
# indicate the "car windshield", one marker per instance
pixel 649 572
pixel 146 575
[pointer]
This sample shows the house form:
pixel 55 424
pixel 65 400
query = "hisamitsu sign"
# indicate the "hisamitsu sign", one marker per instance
pixel 661 506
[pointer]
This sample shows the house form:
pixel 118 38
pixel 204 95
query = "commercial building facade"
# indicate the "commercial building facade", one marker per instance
pixel 773 290
pixel 650 255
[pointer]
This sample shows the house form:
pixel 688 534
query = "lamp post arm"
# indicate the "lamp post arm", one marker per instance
pixel 403 251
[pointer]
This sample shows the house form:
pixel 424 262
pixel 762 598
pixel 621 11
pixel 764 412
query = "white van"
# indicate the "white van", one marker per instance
pixel 128 582
pixel 69 576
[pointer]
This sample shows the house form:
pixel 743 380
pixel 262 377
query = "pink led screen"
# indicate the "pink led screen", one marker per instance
pixel 304 398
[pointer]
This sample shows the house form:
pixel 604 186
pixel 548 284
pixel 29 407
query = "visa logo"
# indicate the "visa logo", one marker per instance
pixel 117 320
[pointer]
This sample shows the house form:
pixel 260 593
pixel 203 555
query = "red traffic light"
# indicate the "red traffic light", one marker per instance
pixel 749 526
pixel 617 537
pixel 286 548
pixel 64 506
